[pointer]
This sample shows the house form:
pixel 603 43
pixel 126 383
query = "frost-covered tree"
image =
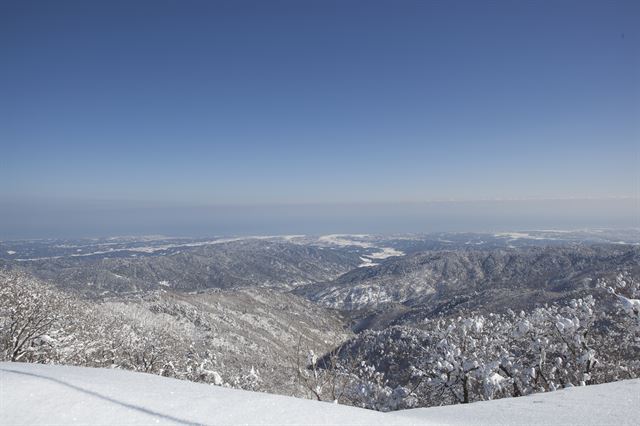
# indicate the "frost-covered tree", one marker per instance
pixel 479 357
pixel 321 378
pixel 368 388
pixel 248 380
pixel 30 316
pixel 620 344
pixel 39 323
pixel 461 363
pixel 552 347
pixel 627 291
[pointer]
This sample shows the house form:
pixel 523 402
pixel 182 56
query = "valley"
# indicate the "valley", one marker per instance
pixel 316 316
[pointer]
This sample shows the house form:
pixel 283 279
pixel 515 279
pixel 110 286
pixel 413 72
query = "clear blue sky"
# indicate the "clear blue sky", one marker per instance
pixel 182 104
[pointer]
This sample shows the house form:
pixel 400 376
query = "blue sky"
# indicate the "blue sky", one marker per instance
pixel 184 104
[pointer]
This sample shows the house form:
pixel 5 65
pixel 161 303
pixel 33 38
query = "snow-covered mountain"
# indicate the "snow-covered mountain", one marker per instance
pixel 245 329
pixel 258 313
pixel 228 263
pixel 44 394
pixel 445 280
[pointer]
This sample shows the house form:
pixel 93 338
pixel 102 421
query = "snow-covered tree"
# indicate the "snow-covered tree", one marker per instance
pixel 29 318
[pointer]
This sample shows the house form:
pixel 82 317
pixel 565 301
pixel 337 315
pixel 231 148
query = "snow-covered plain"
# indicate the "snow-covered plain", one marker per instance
pixel 156 248
pixel 361 240
pixel 45 394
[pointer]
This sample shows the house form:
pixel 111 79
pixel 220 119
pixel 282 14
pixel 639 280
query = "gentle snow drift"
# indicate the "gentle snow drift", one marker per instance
pixel 46 394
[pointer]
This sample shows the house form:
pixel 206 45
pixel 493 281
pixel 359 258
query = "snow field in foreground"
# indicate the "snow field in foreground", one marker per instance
pixel 48 394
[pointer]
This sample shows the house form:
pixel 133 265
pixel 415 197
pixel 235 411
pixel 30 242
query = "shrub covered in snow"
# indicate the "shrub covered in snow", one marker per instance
pixel 480 357
pixel 43 325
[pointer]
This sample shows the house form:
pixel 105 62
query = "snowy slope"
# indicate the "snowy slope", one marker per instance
pixel 42 394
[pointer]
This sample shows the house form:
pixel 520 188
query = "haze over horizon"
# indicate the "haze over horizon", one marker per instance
pixel 69 219
pixel 242 117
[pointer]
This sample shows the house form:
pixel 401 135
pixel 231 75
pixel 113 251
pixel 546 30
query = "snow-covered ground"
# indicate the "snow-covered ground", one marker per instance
pixel 385 252
pixel 346 240
pixel 45 394
pixel 364 242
